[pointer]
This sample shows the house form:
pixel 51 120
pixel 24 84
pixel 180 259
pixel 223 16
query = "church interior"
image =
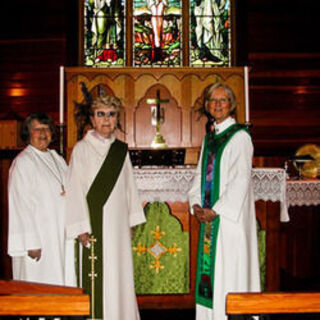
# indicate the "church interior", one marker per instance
pixel 276 40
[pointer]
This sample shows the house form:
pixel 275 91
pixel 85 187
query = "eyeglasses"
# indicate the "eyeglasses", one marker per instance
pixel 219 101
pixel 102 114
pixel 38 130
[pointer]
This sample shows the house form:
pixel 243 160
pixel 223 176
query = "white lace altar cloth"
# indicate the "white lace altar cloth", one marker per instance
pixel 303 193
pixel 165 184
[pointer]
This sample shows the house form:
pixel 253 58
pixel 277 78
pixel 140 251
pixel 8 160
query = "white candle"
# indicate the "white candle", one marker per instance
pixel 61 91
pixel 246 93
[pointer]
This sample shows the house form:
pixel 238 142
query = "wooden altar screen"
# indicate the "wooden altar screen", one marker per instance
pixel 184 87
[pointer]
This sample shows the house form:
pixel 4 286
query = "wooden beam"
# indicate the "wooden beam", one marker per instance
pixel 272 303
pixel 23 287
pixel 45 305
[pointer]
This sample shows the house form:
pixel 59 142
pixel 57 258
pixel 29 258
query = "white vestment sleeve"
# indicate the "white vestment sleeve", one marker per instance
pixel 194 194
pixel 235 192
pixel 23 233
pixel 134 204
pixel 77 215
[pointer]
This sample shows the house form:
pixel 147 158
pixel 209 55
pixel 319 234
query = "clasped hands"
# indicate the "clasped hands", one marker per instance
pixel 203 214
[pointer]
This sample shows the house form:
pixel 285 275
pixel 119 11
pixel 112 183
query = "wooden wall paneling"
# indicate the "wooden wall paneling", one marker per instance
pixel 5 261
pixel 198 127
pixel 186 105
pixel 143 131
pixel 268 162
pixel 127 117
pixel 29 81
pixel 273 27
pixel 301 260
pixel 273 246
pixel 293 62
pixel 268 215
pixel 284 100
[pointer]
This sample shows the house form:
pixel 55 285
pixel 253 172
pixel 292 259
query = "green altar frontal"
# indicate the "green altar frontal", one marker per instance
pixel 161 253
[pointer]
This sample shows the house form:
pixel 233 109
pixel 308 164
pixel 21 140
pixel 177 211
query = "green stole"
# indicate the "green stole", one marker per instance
pixel 98 194
pixel 214 145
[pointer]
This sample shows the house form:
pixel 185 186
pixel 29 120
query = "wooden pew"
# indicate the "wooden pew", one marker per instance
pixel 34 299
pixel 272 303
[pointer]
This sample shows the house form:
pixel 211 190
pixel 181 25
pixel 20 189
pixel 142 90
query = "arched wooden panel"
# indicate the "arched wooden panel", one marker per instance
pixel 182 86
pixel 170 129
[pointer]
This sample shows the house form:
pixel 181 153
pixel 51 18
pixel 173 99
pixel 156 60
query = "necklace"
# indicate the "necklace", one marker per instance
pixel 58 178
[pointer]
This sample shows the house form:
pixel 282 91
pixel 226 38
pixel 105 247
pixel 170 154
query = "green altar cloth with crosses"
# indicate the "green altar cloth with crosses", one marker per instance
pixel 161 253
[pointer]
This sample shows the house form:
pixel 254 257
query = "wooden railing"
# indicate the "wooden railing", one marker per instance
pixel 272 303
pixel 33 299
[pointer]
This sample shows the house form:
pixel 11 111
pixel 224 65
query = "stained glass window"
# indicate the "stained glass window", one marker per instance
pixel 104 33
pixel 210 28
pixel 157 32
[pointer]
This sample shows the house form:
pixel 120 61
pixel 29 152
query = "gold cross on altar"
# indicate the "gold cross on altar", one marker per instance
pixel 158 140
pixel 157 102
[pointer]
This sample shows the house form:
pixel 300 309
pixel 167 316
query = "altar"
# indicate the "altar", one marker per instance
pixel 300 238
pixel 303 193
pixel 171 185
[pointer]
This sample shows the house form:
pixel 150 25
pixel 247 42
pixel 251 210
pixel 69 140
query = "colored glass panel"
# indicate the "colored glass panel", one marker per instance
pixel 210 33
pixel 104 33
pixel 157 33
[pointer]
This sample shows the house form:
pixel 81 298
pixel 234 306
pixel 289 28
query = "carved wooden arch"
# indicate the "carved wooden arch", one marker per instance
pixel 170 129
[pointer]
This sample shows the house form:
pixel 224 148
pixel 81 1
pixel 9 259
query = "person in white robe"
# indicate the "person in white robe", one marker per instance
pixel 121 211
pixel 36 233
pixel 235 267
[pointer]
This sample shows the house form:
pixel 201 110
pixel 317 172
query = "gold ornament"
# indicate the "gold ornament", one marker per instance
pixel 307 161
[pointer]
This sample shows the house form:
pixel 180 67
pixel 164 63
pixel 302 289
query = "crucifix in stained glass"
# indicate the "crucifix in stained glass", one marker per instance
pixel 104 33
pixel 157 33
